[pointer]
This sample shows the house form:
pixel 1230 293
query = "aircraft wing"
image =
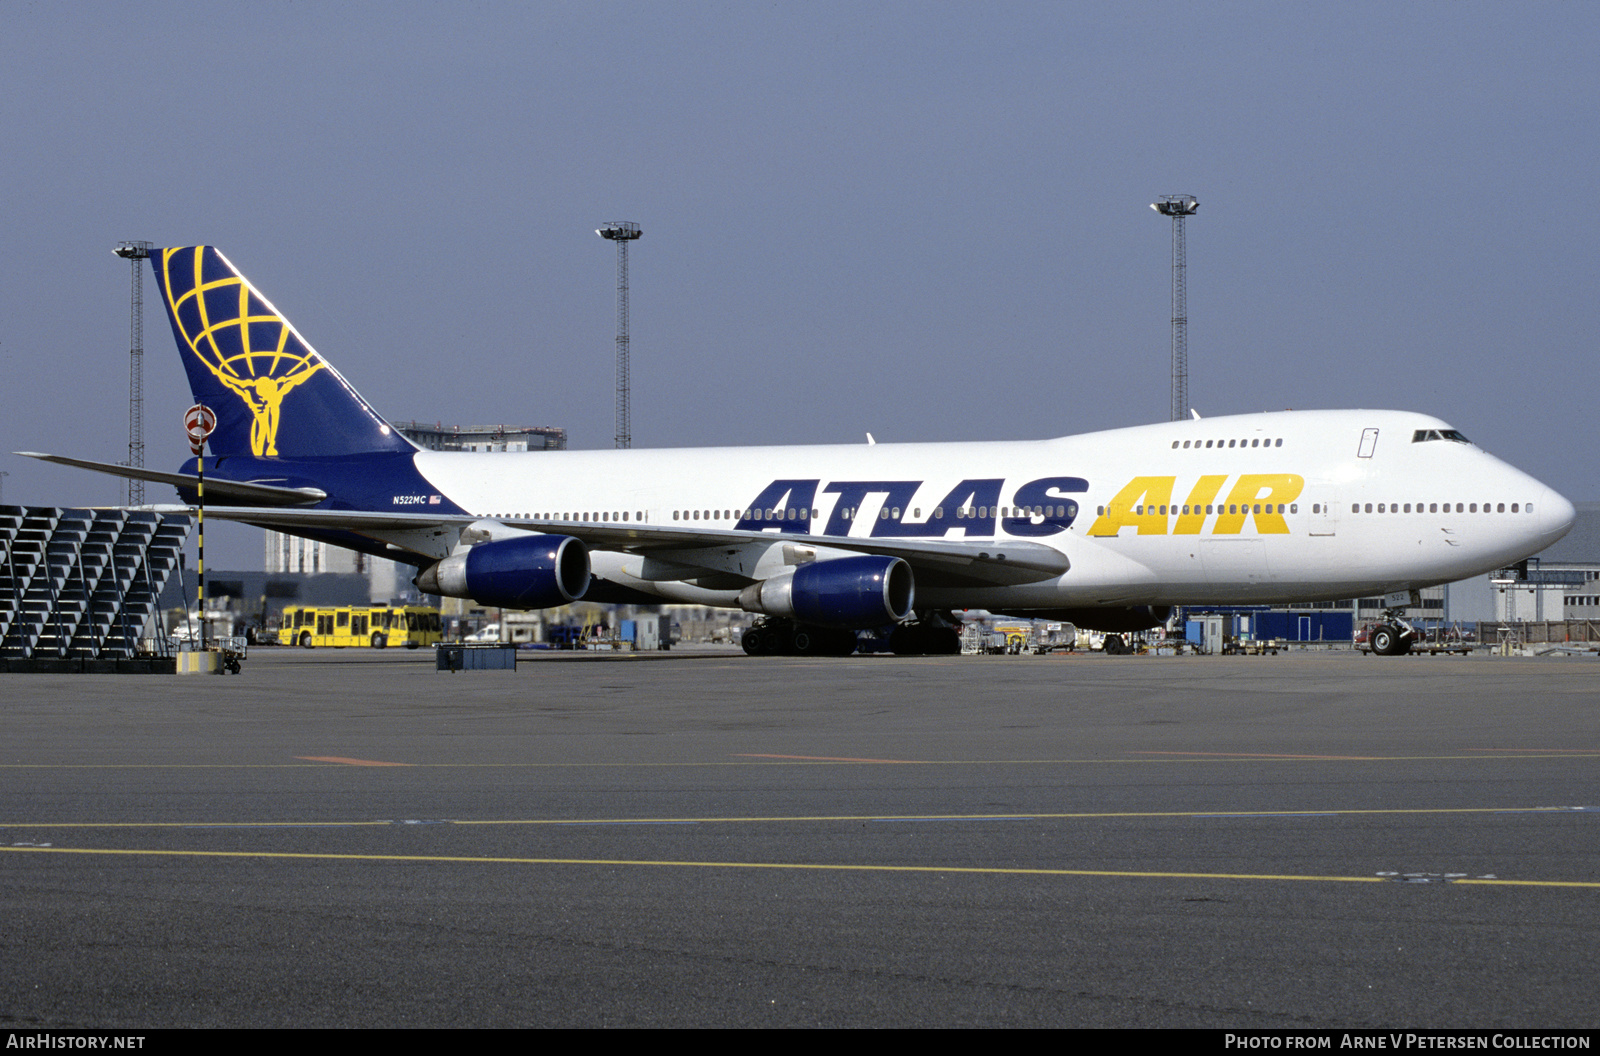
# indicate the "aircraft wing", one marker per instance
pixel 433 535
pixel 969 561
pixel 216 488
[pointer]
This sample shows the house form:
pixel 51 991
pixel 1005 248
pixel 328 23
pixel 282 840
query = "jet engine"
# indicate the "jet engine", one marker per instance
pixel 532 573
pixel 867 591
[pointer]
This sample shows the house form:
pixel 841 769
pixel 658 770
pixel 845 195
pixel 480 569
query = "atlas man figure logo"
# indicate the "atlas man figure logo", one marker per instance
pixel 264 395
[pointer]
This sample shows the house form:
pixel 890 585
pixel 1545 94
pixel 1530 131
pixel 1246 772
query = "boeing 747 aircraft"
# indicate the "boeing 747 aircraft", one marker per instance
pixel 1108 530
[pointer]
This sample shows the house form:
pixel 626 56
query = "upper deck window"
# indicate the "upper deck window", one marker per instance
pixel 1422 435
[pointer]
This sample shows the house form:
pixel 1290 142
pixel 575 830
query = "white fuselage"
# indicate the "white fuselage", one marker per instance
pixel 1155 511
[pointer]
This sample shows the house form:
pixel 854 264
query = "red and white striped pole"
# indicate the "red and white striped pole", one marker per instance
pixel 198 421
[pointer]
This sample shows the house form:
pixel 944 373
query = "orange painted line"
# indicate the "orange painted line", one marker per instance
pixel 346 761
pixel 1261 755
pixel 821 758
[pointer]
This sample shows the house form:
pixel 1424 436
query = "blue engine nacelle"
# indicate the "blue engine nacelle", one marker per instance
pixel 532 573
pixel 854 592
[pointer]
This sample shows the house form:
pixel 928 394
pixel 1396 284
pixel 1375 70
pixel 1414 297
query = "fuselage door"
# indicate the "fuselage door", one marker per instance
pixel 1369 443
pixel 1324 515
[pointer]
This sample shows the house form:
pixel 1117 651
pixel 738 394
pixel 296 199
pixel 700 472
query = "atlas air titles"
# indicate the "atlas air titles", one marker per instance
pixel 1039 508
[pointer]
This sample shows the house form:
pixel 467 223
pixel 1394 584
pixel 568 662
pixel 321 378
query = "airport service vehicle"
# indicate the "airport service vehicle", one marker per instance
pixel 490 634
pixel 378 626
pixel 1105 530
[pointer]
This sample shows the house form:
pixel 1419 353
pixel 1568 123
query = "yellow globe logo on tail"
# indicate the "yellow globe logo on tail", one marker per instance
pixel 238 337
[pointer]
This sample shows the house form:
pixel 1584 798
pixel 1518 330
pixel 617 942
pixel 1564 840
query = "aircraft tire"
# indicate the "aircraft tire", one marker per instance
pixel 905 641
pixel 840 643
pixel 753 642
pixel 1383 641
pixel 305 639
pixel 806 642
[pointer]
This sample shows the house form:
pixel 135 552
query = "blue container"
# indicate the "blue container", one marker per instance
pixel 455 657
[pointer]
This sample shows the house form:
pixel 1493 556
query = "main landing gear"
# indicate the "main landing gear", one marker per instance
pixel 924 639
pixel 1392 636
pixel 775 636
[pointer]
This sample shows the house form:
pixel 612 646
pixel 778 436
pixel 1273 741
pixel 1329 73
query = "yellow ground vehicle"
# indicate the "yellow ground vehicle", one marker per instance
pixel 377 626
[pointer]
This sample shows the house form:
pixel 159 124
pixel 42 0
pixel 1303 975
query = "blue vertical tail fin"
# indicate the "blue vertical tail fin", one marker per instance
pixel 273 395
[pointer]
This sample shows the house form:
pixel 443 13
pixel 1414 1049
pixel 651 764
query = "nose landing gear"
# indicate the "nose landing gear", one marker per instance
pixel 1392 636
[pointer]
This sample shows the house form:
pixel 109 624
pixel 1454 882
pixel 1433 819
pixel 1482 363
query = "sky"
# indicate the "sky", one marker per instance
pixel 925 220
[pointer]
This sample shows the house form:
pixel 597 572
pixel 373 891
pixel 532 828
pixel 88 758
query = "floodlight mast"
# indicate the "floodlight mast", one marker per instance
pixel 1179 206
pixel 622 232
pixel 135 253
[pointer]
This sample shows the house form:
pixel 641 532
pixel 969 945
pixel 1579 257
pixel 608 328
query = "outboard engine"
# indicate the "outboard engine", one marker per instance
pixel 532 573
pixel 855 592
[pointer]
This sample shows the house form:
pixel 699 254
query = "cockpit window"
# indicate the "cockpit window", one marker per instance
pixel 1422 435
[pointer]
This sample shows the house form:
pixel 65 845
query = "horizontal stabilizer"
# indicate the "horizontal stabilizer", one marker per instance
pixel 216 488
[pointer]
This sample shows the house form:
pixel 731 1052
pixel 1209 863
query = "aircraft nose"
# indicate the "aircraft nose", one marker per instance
pixel 1556 516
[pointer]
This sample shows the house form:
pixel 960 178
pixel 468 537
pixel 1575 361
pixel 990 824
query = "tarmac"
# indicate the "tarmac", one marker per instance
pixel 699 838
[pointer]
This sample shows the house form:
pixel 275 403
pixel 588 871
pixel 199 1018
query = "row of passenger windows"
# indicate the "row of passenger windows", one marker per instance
pixel 961 513
pixel 1183 511
pixel 586 516
pixel 792 514
pixel 1294 507
pixel 1257 442
pixel 1435 507
pixel 984 512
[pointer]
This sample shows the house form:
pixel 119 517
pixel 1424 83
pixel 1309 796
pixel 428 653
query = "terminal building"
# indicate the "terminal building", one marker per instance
pixel 441 437
pixel 289 557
